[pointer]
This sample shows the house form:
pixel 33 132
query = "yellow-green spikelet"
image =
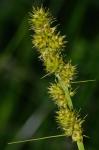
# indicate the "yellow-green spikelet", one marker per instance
pixel 46 39
pixel 58 95
pixel 67 72
pixel 70 123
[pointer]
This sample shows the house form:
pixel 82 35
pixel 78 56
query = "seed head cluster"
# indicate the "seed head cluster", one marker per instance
pixel 50 44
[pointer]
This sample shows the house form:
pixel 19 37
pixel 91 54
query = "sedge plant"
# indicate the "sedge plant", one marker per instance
pixel 50 44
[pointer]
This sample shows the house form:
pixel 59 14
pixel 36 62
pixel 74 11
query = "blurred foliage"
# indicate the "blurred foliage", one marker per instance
pixel 25 107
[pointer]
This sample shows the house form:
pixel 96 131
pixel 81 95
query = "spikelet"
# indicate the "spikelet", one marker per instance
pixel 70 123
pixel 67 72
pixel 48 42
pixel 58 95
pixel 45 35
pixel 52 61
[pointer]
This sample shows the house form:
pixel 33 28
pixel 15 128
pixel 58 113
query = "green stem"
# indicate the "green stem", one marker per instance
pixel 67 95
pixel 80 146
pixel 70 105
pixel 69 101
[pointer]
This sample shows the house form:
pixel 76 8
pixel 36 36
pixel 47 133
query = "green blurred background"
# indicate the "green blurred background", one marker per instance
pixel 26 110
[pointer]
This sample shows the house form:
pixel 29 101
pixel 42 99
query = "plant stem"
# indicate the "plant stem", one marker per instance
pixel 70 105
pixel 68 97
pixel 80 146
pixel 65 88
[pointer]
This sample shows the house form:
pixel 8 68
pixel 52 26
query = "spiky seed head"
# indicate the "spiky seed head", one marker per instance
pixel 58 95
pixel 39 17
pixel 67 72
pixel 46 39
pixel 50 44
pixel 70 123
